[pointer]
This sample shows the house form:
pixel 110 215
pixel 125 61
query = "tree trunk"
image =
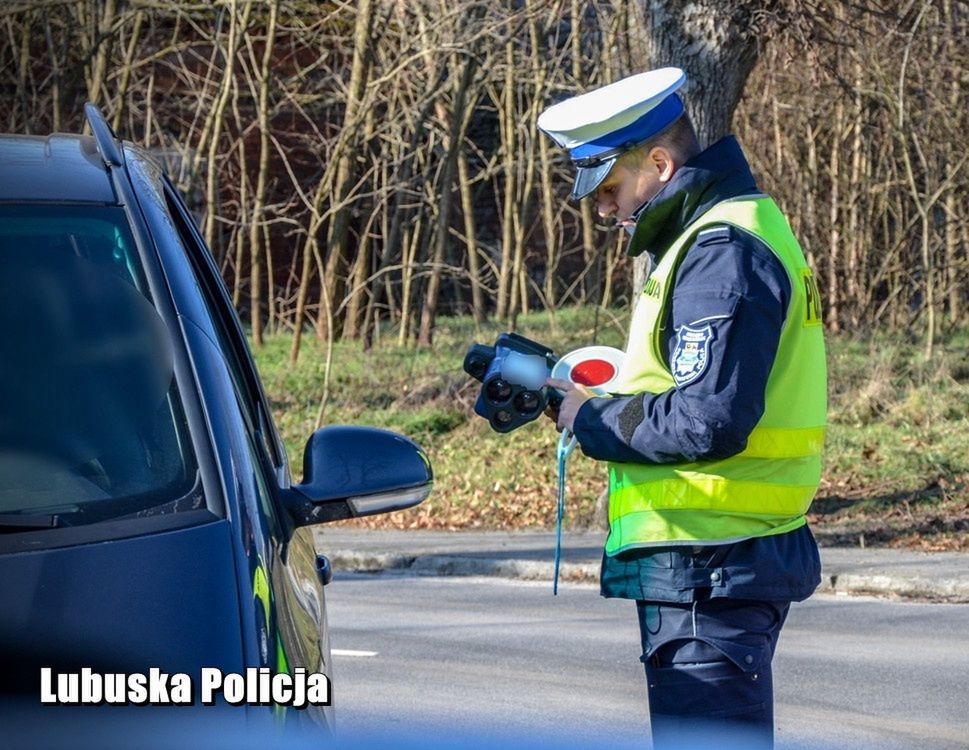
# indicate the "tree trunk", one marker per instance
pixel 399 212
pixel 412 241
pixel 470 232
pixel 55 78
pixel 239 239
pixel 835 270
pixel 712 42
pixel 101 21
pixel 358 285
pixel 259 199
pixel 547 190
pixel 452 148
pixel 506 113
pixel 237 28
pixel 346 170
pixel 306 271
pixel 129 56
pixel 589 248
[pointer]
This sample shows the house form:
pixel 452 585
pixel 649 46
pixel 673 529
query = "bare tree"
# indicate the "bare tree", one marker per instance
pixel 371 165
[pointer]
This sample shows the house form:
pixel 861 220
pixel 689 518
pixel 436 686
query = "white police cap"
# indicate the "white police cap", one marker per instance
pixel 599 126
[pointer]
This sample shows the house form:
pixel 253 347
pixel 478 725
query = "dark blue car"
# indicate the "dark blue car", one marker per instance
pixel 147 514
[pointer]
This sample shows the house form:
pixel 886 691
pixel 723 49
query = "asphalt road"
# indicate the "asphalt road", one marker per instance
pixel 421 658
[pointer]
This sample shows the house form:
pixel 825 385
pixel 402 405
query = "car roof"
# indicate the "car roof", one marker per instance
pixel 59 167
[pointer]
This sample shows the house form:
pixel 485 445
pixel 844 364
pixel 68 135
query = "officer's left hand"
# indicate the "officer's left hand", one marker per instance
pixel 575 396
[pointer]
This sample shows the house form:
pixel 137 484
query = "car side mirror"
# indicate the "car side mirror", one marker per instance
pixel 357 471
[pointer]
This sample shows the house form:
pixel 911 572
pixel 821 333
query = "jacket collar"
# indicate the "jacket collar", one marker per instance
pixel 714 175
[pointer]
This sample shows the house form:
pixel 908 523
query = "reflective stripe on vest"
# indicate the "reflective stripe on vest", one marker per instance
pixel 767 488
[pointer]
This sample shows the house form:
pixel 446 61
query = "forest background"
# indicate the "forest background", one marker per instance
pixel 373 186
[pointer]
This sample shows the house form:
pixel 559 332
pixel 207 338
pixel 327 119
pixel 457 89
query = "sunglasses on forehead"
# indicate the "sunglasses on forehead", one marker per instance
pixel 588 162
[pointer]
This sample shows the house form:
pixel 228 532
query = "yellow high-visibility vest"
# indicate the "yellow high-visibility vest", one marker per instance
pixel 767 488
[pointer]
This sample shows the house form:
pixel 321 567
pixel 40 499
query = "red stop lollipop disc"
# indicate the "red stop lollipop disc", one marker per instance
pixel 595 367
pixel 592 372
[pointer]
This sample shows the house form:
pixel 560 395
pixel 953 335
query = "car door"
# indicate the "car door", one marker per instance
pixel 288 603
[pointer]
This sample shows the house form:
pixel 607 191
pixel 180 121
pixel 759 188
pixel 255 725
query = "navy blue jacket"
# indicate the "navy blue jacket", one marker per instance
pixel 728 280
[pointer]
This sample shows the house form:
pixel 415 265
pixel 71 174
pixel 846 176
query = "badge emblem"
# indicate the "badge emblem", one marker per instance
pixel 691 353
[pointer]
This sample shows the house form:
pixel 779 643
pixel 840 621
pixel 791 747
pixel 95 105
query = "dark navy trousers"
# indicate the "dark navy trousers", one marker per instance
pixel 708 671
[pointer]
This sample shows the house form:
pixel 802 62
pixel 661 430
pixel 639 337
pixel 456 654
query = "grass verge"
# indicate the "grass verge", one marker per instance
pixel 897 457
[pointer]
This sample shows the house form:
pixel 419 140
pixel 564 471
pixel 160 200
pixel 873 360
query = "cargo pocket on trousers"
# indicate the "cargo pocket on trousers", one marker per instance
pixel 699 678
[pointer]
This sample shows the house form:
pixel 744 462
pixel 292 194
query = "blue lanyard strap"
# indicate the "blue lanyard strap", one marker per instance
pixel 566 445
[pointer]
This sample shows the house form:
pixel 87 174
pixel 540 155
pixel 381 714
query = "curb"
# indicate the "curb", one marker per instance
pixel 909 588
pixel 459 565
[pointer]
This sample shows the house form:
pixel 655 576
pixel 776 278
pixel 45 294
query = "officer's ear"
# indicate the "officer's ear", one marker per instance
pixel 661 159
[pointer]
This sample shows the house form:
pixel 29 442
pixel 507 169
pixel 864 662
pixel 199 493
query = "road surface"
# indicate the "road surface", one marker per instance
pixel 425 657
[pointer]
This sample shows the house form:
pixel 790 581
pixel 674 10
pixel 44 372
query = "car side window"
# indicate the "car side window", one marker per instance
pixel 231 338
pixel 92 426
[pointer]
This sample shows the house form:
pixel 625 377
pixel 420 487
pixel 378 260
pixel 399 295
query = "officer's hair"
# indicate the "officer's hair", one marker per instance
pixel 680 138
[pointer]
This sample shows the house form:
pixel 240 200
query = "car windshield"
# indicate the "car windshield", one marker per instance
pixel 91 424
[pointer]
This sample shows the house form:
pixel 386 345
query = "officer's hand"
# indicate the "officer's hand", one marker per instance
pixel 575 396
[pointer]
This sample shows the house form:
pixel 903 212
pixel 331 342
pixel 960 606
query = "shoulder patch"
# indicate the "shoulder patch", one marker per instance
pixel 716 235
pixel 691 354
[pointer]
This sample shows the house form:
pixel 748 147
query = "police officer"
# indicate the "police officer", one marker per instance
pixel 714 438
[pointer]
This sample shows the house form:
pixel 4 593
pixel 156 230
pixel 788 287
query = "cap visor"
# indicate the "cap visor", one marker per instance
pixel 587 179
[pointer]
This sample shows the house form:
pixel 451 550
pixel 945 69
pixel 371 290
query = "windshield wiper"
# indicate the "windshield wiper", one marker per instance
pixel 11 523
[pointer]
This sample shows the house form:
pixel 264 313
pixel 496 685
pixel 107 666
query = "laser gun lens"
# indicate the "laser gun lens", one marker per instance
pixel 498 391
pixel 527 403
pixel 503 418
pixel 478 367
